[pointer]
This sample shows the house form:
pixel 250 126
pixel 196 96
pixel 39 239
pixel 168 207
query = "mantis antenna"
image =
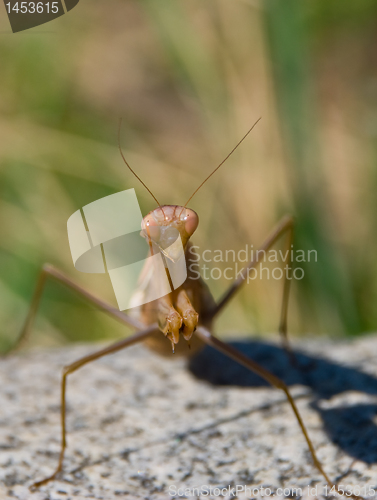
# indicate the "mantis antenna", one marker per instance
pixel 135 174
pixel 224 160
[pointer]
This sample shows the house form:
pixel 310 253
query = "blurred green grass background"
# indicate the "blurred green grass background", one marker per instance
pixel 189 78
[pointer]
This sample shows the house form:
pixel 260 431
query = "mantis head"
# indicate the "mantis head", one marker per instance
pixel 163 225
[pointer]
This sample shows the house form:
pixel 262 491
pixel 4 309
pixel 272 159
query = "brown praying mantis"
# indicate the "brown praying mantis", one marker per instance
pixel 188 311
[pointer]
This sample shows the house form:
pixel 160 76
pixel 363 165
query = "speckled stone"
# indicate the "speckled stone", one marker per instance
pixel 141 426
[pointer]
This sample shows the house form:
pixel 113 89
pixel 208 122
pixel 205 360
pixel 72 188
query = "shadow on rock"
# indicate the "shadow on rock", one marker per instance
pixel 352 426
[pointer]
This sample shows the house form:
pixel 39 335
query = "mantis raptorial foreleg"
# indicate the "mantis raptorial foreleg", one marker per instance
pixel 188 313
pixel 117 346
pixel 50 272
pixel 284 226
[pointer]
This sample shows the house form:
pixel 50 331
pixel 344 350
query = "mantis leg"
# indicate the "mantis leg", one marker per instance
pixel 206 336
pixel 284 226
pixel 50 272
pixel 117 346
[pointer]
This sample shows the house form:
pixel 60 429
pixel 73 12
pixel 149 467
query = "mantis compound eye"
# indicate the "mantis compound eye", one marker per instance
pixel 150 228
pixel 191 221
